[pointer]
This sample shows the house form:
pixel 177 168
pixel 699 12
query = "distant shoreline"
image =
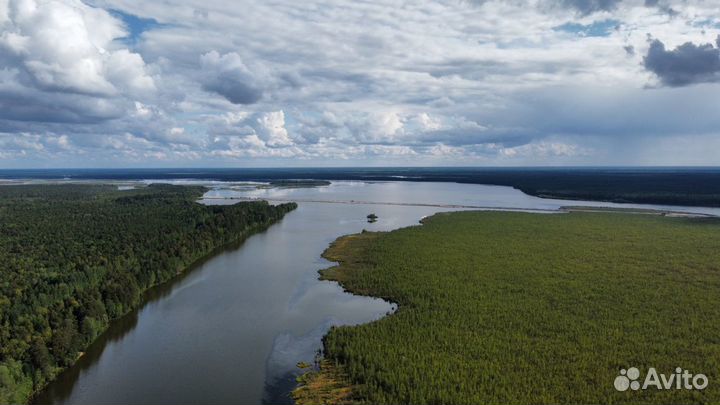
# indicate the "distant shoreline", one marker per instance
pixel 563 209
pixel 310 183
pixel 687 186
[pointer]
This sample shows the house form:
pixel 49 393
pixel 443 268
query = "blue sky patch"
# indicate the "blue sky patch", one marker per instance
pixel 595 29
pixel 706 23
pixel 135 25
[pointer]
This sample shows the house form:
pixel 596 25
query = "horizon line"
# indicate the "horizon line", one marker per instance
pixel 370 167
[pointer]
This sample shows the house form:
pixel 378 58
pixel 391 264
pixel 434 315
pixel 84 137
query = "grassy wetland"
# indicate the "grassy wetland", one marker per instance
pixel 507 307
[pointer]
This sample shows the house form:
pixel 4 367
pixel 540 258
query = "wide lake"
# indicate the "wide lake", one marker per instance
pixel 232 329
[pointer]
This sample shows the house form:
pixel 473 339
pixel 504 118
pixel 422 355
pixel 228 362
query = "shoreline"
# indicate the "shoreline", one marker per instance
pixel 562 209
pixel 148 295
pixel 328 380
pixel 303 182
pixel 662 185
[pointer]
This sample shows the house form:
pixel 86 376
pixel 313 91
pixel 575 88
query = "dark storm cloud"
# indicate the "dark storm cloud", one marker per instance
pixel 32 106
pixel 662 7
pixel 586 7
pixel 507 137
pixel 612 113
pixel 687 64
pixel 234 89
pixel 228 76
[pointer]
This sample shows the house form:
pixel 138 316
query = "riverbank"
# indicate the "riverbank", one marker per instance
pixel 562 209
pixel 86 255
pixel 499 307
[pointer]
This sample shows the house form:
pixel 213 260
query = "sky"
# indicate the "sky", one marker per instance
pixel 209 83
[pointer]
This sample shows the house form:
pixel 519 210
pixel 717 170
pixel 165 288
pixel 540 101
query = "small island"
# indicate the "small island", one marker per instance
pixel 372 218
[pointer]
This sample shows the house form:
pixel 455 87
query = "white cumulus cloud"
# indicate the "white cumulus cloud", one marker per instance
pixel 68 46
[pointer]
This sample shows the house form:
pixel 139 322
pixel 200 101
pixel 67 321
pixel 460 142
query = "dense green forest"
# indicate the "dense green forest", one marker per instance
pixel 518 308
pixel 75 257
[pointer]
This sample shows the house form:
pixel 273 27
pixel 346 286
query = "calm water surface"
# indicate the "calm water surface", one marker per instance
pixel 232 329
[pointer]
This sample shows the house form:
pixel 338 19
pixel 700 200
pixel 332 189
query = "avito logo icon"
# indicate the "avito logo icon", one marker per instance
pixel 680 380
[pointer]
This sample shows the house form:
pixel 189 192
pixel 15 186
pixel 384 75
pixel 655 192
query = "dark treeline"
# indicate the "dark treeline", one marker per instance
pixel 75 257
pixel 648 185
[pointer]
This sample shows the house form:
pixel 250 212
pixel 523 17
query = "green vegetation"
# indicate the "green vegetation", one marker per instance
pixel 671 186
pixel 517 308
pixel 328 386
pixel 75 257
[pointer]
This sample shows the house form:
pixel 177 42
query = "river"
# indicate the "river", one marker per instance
pixel 232 329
